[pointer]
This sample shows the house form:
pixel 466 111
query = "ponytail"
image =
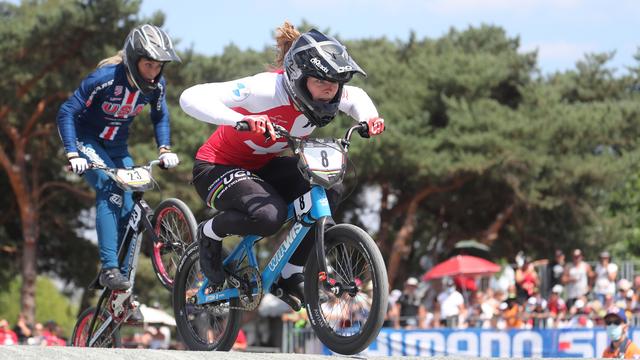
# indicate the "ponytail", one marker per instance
pixel 114 60
pixel 285 36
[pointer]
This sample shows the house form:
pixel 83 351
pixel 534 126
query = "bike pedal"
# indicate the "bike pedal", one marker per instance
pixel 290 300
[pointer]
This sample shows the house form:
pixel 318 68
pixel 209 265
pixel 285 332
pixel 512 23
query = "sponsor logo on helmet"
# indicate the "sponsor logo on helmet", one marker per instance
pixel 318 64
pixel 345 68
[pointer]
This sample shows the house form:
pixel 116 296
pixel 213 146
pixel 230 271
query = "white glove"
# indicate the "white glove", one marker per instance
pixel 169 160
pixel 78 164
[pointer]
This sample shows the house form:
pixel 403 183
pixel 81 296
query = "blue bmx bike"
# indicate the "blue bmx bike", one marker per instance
pixel 345 288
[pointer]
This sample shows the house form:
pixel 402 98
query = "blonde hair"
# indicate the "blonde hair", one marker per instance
pixel 285 36
pixel 113 60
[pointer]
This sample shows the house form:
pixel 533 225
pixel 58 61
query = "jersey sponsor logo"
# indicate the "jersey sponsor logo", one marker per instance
pixel 95 91
pixel 241 92
pixel 126 108
pixel 118 90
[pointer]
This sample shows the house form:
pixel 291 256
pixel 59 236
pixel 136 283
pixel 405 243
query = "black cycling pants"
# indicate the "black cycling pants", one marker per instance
pixel 255 202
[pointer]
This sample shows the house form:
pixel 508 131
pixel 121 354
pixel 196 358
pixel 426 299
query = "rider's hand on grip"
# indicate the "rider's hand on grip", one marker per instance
pixel 169 160
pixel 78 164
pixel 258 124
pixel 376 126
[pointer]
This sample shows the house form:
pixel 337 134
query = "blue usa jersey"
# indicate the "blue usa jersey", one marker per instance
pixel 104 106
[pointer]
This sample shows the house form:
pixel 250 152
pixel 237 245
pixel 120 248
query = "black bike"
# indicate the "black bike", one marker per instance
pixel 170 228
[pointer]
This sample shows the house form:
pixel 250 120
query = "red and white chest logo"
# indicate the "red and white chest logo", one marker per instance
pixel 126 108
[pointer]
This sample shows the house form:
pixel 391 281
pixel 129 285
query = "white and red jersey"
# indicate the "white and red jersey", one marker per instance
pixel 227 103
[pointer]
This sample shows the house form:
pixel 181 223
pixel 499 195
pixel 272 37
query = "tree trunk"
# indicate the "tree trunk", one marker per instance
pixel 491 234
pixel 28 208
pixel 402 245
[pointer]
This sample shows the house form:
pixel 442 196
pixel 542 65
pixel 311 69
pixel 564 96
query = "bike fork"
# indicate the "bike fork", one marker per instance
pixel 320 254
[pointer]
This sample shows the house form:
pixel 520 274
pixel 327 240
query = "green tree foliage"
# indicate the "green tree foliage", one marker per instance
pixel 478 143
pixel 51 304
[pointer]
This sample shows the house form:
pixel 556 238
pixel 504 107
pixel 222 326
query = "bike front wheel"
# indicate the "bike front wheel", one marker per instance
pixel 175 227
pixel 206 327
pixel 82 331
pixel 348 317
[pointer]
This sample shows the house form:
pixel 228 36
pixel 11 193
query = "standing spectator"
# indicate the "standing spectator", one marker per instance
pixel 526 281
pixel 606 273
pixel 451 305
pixel 7 336
pixel 22 329
pixel 576 277
pixel 621 346
pixel 409 308
pixel 555 268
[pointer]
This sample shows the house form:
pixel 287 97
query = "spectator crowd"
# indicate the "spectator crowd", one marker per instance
pixel 530 294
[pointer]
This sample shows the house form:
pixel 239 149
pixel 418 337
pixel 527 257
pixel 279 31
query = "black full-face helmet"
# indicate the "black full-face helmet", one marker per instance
pixel 151 42
pixel 318 55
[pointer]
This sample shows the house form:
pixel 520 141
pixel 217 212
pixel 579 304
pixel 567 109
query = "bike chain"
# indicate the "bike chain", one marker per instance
pixel 242 280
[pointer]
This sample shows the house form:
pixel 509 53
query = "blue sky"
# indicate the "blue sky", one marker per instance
pixel 561 30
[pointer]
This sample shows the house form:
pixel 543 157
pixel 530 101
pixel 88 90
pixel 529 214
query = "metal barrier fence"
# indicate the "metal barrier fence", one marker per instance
pixel 299 340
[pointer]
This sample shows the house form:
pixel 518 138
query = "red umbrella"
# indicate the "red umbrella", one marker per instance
pixel 462 265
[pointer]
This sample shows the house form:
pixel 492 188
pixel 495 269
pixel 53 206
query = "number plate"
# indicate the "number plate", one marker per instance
pixel 324 158
pixel 134 177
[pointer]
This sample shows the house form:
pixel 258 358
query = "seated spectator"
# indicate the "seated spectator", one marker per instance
pixel 51 334
pixel 7 336
pixel 557 307
pixel 537 312
pixel 37 335
pixel 624 286
pixel 580 315
pixel 512 314
pixel 241 342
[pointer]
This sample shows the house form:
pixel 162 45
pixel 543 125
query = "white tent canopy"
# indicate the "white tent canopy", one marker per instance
pixel 156 316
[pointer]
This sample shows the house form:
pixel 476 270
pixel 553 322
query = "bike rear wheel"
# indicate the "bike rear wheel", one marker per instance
pixel 175 226
pixel 347 321
pixel 202 327
pixel 82 333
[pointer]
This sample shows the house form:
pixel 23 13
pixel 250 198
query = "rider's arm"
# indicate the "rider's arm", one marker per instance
pixel 160 116
pixel 356 103
pixel 78 102
pixel 212 102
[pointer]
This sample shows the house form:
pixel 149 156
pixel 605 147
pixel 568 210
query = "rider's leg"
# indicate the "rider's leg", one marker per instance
pixel 122 159
pixel 248 205
pixel 108 206
pixel 283 174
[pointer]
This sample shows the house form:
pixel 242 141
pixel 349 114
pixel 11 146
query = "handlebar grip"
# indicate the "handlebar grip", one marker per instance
pixel 363 129
pixel 242 126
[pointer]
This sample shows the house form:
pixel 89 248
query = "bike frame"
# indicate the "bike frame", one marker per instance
pixel 128 254
pixel 308 209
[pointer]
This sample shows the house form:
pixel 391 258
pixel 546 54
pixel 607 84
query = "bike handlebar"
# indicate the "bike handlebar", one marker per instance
pixel 95 166
pixel 361 127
